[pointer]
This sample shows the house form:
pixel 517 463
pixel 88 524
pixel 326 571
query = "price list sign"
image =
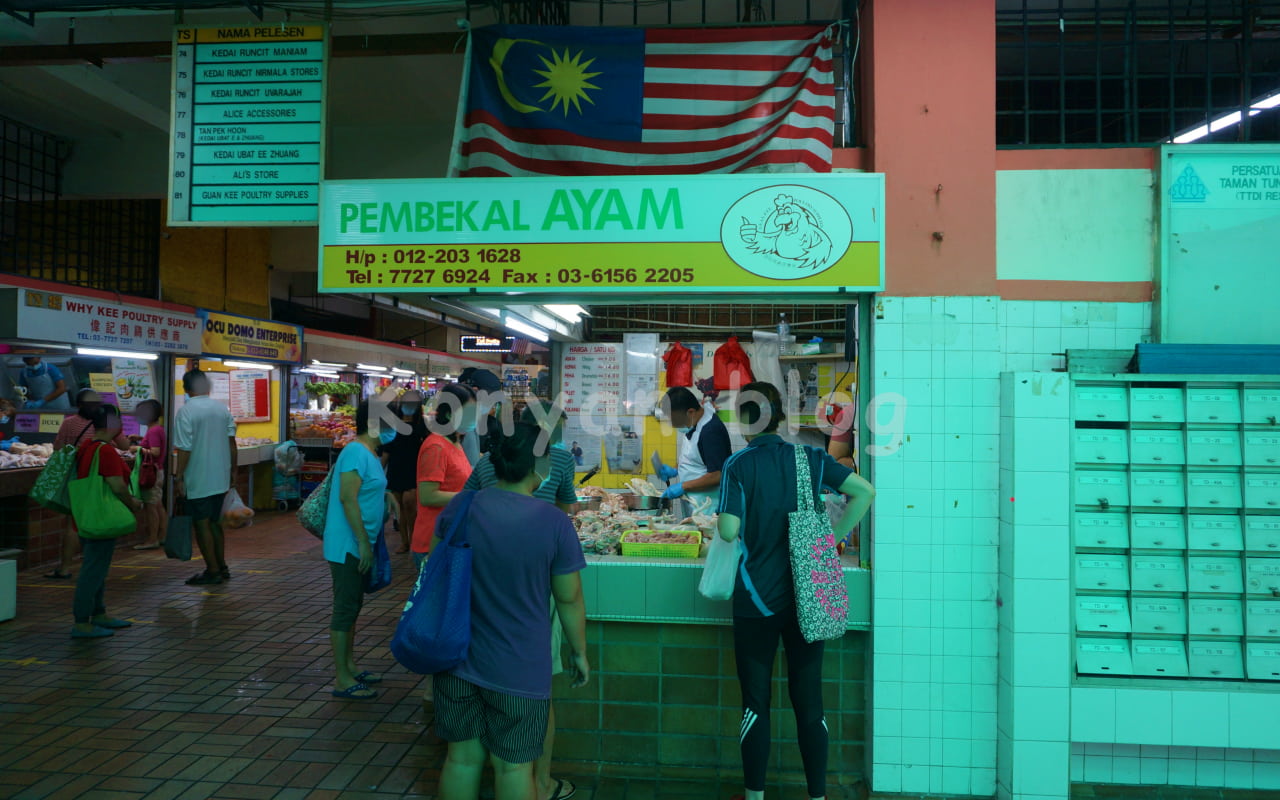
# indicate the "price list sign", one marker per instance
pixel 247 125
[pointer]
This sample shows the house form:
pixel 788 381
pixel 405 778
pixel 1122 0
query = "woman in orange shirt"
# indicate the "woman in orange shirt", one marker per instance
pixel 443 467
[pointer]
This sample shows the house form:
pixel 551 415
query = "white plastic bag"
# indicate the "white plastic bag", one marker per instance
pixel 721 572
pixel 235 514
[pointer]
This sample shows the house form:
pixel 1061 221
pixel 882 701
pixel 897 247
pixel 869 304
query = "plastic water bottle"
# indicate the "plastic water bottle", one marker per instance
pixel 784 336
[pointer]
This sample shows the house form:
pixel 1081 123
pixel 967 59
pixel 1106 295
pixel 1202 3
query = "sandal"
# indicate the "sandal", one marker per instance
pixel 58 575
pixel 369 678
pixel 560 793
pixel 352 692
pixel 147 546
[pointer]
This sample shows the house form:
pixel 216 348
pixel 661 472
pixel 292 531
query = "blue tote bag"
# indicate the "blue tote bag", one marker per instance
pixel 434 632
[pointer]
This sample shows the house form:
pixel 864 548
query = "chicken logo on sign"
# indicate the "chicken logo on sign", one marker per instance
pixel 786 232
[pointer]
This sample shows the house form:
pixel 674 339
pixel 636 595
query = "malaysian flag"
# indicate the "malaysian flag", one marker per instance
pixel 630 101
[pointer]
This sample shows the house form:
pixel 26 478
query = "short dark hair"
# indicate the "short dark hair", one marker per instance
pixel 103 416
pixel 760 406
pixel 514 457
pixel 679 398
pixel 191 377
pixel 551 412
pixel 444 410
pixel 154 405
pixel 82 394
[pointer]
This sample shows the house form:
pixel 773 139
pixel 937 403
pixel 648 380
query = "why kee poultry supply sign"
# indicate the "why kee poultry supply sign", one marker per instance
pixel 694 233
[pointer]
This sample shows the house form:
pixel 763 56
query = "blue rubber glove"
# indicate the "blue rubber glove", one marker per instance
pixel 35 404
pixel 673 492
pixel 5 444
pixel 667 473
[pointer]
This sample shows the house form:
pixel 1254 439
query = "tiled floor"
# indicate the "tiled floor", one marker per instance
pixel 223 691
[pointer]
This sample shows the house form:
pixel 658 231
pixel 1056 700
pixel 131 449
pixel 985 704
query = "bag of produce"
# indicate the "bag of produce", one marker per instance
pixel 434 632
pixel 721 572
pixel 235 514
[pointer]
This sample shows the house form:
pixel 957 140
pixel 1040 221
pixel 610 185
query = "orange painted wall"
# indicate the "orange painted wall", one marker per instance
pixel 931 107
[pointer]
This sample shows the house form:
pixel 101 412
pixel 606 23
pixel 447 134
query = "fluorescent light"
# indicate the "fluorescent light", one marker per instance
pixel 568 313
pixel 373 367
pixel 247 365
pixel 493 312
pixel 399 371
pixel 538 334
pixel 319 372
pixel 315 363
pixel 90 351
pixel 1227 120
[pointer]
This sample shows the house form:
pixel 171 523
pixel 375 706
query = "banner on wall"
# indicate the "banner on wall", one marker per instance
pixel 233 336
pixel 84 321
pixel 132 382
pixel 694 233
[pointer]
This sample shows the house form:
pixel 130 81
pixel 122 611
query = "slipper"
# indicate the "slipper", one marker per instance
pixel 96 633
pixel 350 693
pixel 369 678
pixel 560 793
pixel 147 546
pixel 58 575
pixel 113 623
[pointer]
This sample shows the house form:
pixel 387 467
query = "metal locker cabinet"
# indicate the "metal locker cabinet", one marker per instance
pixel 1222 660
pixel 1262 491
pixel 1263 660
pixel 1214 532
pixel 1097 446
pixel 1110 573
pixel 1157 489
pixel 1104 489
pixel 1091 402
pixel 1214 490
pixel 1159 573
pixel 1096 529
pixel 1215 617
pixel 1262 534
pixel 1214 405
pixel 1214 448
pixel 1262 406
pixel 1263 618
pixel 1159 532
pixel 1103 657
pixel 1101 614
pixel 1157 447
pixel 1263 575
pixel 1157 404
pixel 1161 615
pixel 1160 658
pixel 1262 448
pixel 1215 575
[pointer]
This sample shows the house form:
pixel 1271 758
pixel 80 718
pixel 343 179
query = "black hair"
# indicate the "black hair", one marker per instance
pixel 154 405
pixel 362 418
pixel 679 398
pixel 103 416
pixel 760 406
pixel 191 377
pixel 416 421
pixel 444 410
pixel 514 457
pixel 80 395
pixel 551 413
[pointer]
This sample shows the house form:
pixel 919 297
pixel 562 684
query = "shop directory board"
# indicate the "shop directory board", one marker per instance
pixel 247 125
pixel 685 233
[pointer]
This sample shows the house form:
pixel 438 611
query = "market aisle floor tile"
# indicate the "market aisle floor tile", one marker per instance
pixel 223 691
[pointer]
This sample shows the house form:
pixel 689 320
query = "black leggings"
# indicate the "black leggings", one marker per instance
pixel 755 642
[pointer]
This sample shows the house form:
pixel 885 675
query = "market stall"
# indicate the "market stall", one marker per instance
pixel 247 361
pixel 54 342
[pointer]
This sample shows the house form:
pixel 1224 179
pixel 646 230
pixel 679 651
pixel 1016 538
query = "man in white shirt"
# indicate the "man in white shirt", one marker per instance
pixel 204 434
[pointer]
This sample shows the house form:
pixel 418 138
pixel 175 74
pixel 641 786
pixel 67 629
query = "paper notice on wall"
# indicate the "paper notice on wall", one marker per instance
pixel 132 381
pixel 591 395
pixel 642 360
pixel 220 387
pixel 623 449
pixel 101 382
pixel 584 447
pixel 250 395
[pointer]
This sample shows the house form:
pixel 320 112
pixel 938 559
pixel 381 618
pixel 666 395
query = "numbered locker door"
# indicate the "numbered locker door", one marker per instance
pixel 1100 403
pixel 1263 619
pixel 1216 406
pixel 1215 532
pixel 1214 448
pixel 1102 614
pixel 1221 660
pixel 1262 406
pixel 1262 534
pixel 1262 448
pixel 1096 446
pixel 1215 575
pixel 1161 615
pixel 1159 532
pixel 1216 617
pixel 1165 448
pixel 1157 404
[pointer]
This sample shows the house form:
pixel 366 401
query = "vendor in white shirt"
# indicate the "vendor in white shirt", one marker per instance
pixel 703 451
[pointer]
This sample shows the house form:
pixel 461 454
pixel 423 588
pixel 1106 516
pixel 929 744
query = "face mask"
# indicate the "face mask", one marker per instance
pixel 467 421
pixel 407 411
pixel 38 369
pixel 4 420
pixel 386 435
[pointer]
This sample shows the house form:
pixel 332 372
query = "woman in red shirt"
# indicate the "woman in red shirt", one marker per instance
pixel 443 467
pixel 88 607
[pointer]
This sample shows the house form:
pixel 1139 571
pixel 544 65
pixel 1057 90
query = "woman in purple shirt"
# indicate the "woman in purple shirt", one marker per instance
pixel 524 552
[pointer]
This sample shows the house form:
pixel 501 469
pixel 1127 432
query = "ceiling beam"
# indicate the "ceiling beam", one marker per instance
pixel 393 44
pixel 92 82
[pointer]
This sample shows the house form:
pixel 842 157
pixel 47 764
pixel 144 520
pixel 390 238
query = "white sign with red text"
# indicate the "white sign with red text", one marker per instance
pixel 83 321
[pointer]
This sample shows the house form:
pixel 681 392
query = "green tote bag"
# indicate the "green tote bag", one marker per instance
pixel 98 513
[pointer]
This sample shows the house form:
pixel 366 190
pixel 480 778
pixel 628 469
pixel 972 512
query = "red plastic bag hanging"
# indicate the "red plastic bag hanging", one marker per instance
pixel 732 366
pixel 679 361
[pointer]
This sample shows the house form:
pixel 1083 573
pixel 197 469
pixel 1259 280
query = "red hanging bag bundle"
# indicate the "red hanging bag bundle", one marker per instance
pixel 732 366
pixel 679 361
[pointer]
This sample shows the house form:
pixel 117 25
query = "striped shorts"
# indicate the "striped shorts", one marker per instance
pixel 509 727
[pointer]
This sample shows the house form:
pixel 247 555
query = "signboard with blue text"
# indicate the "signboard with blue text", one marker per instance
pixel 247 125
pixel 1219 275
